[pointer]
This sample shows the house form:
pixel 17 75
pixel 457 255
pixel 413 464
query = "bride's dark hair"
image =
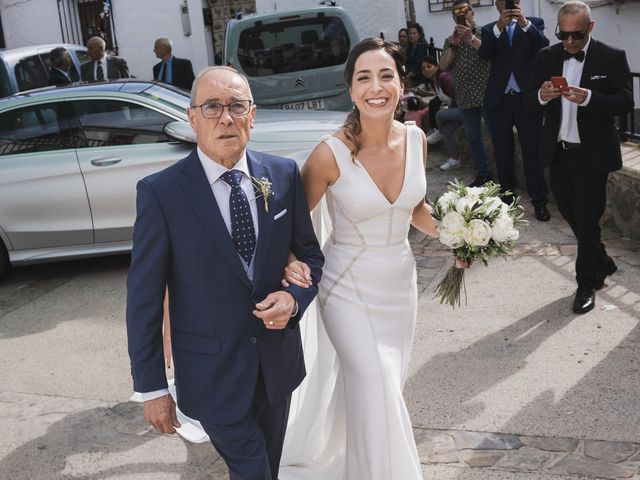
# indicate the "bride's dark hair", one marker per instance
pixel 352 126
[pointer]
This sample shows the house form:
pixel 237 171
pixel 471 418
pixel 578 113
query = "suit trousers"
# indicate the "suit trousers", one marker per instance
pixel 581 197
pixel 252 447
pixel 509 112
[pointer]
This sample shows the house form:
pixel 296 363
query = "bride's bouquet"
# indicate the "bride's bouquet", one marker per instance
pixel 476 224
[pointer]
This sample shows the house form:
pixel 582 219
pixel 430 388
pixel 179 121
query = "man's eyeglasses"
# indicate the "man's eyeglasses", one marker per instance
pixel 578 35
pixel 461 10
pixel 214 110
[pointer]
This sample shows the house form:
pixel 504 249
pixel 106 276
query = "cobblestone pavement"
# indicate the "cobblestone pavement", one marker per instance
pixel 521 455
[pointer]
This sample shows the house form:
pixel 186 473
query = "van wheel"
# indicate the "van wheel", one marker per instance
pixel 4 261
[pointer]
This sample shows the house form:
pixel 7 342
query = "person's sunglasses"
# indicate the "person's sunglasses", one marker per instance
pixel 578 35
pixel 461 10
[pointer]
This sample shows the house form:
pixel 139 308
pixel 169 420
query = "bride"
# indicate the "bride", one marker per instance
pixel 349 419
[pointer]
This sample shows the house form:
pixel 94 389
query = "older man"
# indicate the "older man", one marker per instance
pixel 102 67
pixel 59 72
pixel 579 138
pixel 171 69
pixel 217 228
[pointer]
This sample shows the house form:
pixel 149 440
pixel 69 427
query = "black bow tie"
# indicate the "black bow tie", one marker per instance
pixel 578 56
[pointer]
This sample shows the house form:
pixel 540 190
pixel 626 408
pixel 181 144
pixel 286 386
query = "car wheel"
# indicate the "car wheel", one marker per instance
pixel 4 260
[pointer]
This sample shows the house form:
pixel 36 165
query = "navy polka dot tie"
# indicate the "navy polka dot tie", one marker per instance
pixel 242 231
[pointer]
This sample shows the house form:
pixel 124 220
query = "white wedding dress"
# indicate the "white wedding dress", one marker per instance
pixel 348 420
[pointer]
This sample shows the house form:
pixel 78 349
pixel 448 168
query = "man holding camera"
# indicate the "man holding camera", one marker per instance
pixel 511 45
pixel 581 85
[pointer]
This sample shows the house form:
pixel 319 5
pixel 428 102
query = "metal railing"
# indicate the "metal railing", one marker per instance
pixel 629 125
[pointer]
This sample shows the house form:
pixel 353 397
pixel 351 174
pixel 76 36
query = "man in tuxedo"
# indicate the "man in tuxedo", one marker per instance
pixel 579 138
pixel 60 65
pixel 102 67
pixel 216 228
pixel 173 70
pixel 511 45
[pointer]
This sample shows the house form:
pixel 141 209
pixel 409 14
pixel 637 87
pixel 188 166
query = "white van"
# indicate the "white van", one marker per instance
pixel 294 59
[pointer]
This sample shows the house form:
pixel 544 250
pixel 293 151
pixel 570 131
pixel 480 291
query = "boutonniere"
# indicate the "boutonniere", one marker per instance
pixel 263 189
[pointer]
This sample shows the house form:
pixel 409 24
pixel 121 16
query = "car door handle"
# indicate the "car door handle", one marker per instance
pixel 105 162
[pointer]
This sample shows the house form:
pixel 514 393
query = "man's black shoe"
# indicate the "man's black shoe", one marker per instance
pixel 609 269
pixel 480 180
pixel 541 213
pixel 585 300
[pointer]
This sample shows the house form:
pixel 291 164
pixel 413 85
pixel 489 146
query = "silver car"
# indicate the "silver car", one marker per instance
pixel 70 159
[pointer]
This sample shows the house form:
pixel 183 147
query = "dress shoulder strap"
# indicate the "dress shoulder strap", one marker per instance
pixel 340 151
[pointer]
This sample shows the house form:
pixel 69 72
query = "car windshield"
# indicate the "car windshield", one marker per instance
pixel 293 45
pixel 175 99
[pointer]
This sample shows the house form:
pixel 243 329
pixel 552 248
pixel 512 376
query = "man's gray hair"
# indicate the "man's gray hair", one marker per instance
pixel 98 40
pixel 575 7
pixel 56 56
pixel 206 70
pixel 166 41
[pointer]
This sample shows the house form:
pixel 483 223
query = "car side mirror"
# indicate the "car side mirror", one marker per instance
pixel 180 131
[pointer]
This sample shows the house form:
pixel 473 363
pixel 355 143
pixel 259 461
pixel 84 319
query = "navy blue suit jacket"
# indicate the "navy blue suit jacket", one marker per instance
pixel 517 58
pixel 180 240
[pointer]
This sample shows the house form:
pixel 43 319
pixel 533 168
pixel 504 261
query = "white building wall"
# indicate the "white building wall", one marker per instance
pixel 138 24
pixel 369 16
pixel 30 22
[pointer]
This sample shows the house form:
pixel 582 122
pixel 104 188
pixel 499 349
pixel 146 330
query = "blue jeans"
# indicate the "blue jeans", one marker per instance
pixel 471 120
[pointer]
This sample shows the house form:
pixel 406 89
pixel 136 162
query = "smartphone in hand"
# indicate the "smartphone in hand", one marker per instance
pixel 461 20
pixel 510 4
pixel 561 83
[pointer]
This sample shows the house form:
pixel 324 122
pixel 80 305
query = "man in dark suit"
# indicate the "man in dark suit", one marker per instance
pixel 511 45
pixel 173 70
pixel 216 228
pixel 579 138
pixel 60 65
pixel 102 67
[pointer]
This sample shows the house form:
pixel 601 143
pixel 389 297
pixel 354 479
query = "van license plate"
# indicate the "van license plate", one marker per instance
pixel 307 105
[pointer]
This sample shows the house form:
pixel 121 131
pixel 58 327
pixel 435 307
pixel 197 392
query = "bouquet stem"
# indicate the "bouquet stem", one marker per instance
pixel 449 288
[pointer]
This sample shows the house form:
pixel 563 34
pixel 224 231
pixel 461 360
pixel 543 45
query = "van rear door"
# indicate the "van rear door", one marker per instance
pixel 294 60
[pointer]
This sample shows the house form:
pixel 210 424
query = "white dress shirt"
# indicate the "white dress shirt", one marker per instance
pixel 221 191
pixel 572 71
pixel 103 61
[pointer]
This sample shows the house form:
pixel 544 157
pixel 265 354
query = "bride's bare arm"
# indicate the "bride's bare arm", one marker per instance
pixel 318 173
pixel 422 220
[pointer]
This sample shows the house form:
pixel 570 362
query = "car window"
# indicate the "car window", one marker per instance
pixel 114 122
pixel 83 57
pixel 31 73
pixel 34 129
pixel 293 45
pixel 5 86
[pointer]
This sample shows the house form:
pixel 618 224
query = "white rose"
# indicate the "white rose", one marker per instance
pixel 446 201
pixel 475 191
pixel 449 239
pixel 468 201
pixel 503 230
pixel 478 233
pixel 492 203
pixel 454 223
